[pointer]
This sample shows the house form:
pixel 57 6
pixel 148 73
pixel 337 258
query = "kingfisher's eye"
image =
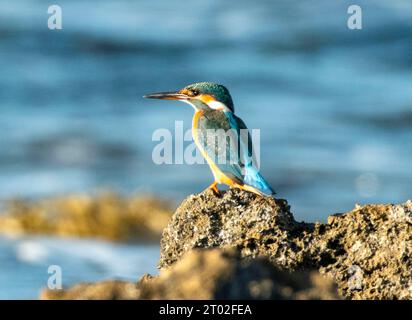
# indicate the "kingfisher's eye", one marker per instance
pixel 194 93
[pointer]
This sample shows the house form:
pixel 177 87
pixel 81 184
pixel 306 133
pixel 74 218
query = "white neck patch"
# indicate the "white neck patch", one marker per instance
pixel 216 105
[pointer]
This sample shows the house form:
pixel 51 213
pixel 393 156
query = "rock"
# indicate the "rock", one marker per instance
pixel 222 274
pixel 210 274
pixel 243 246
pixel 107 216
pixel 255 225
pixel 370 251
pixel 104 290
pixel 367 250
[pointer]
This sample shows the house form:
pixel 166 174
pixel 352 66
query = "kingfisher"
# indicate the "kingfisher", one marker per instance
pixel 215 112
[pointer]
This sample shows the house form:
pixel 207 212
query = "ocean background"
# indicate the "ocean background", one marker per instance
pixel 333 105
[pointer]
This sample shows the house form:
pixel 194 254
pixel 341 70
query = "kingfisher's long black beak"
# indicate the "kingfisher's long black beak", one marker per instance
pixel 167 96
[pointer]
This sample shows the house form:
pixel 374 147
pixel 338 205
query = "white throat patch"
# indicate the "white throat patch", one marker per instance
pixel 188 102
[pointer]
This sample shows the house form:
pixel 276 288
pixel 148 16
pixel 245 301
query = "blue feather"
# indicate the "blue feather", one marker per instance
pixel 252 176
pixel 255 179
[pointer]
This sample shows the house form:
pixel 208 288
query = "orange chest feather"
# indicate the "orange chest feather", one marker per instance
pixel 195 134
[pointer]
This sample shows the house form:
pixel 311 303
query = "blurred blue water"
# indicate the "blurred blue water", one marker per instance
pixel 334 106
pixel 25 262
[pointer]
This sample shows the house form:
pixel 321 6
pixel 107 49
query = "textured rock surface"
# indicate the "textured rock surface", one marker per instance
pixel 370 249
pixel 367 250
pixel 210 274
pixel 255 225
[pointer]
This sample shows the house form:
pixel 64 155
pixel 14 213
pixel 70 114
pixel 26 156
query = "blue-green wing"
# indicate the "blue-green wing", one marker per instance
pixel 246 152
pixel 250 173
pixel 220 139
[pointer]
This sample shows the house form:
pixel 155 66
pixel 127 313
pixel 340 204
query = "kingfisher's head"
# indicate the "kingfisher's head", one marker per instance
pixel 200 95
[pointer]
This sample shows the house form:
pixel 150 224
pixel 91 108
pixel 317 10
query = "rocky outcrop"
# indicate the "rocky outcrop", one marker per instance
pixel 367 250
pixel 107 216
pixel 242 246
pixel 253 224
pixel 210 274
pixel 370 251
pixel 219 274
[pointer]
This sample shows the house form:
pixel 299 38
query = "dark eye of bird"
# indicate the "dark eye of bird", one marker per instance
pixel 194 93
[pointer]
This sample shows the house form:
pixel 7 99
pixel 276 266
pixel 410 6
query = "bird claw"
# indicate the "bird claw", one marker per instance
pixel 214 189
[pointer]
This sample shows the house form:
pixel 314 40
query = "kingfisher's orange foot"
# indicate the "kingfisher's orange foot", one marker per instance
pixel 214 188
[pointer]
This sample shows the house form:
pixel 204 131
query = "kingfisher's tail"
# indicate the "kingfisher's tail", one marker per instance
pixel 254 179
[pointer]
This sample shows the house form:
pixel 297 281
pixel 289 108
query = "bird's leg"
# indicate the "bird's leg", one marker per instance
pixel 214 188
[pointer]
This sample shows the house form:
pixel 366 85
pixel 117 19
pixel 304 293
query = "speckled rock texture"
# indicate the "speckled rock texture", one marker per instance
pixel 370 250
pixel 367 250
pixel 253 224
